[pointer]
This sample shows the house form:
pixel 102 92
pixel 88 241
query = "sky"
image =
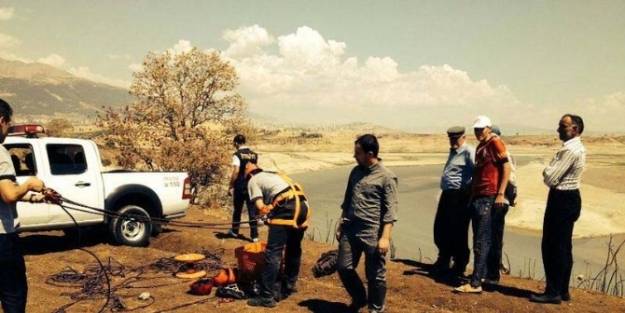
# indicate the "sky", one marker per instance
pixel 414 65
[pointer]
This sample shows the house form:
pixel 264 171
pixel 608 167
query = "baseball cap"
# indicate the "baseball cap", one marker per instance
pixel 482 121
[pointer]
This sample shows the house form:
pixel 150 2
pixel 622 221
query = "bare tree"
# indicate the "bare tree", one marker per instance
pixel 185 107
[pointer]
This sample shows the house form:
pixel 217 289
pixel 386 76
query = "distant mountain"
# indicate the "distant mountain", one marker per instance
pixel 43 90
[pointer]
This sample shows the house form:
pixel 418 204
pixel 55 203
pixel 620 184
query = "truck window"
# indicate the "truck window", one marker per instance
pixel 23 159
pixel 66 159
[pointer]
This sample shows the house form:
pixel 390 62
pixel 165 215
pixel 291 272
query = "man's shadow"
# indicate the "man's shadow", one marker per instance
pixel 323 306
pixel 510 291
pixel 226 235
pixel 427 270
pixel 43 243
pixel 38 243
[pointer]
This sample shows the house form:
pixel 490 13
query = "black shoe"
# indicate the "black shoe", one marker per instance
pixel 440 267
pixel 264 302
pixel 457 272
pixel 287 292
pixel 355 307
pixel 382 310
pixel 233 234
pixel 545 298
pixel 566 297
pixel 491 282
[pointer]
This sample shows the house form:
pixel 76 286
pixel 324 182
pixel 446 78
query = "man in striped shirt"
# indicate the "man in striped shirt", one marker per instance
pixel 563 176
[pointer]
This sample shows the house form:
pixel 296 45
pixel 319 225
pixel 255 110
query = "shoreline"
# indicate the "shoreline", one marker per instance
pixel 603 212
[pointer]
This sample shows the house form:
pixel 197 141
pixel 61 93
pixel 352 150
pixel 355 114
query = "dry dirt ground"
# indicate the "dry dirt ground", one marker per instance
pixel 410 290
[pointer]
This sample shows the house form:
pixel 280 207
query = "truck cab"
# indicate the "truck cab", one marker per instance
pixel 73 168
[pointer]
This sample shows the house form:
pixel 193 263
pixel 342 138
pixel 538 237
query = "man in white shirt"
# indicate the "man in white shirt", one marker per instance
pixel 564 204
pixel 13 284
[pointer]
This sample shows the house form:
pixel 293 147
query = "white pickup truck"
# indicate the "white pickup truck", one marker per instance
pixel 74 169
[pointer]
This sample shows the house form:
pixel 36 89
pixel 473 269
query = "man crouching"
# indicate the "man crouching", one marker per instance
pixel 286 208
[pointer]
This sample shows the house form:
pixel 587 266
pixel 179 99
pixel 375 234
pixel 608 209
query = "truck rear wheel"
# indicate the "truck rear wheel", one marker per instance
pixel 132 227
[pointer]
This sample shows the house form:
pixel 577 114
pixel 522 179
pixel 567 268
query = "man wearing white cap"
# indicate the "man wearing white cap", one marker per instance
pixel 490 179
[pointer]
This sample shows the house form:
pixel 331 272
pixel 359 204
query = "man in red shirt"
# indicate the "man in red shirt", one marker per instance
pixel 490 179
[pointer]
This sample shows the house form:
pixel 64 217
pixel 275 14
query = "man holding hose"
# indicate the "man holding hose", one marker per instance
pixel 13 284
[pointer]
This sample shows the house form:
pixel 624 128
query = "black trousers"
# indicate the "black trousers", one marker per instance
pixel 239 198
pixel 351 249
pixel 287 240
pixel 13 284
pixel 451 230
pixel 563 209
pixel 493 264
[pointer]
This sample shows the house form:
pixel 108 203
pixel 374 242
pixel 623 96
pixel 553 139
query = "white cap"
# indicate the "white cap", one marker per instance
pixel 482 121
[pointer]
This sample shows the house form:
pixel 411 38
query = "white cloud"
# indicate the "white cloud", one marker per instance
pixel 135 67
pixel 6 13
pixel 86 73
pixel 602 114
pixel 7 41
pixel 53 59
pixel 246 40
pixel 181 46
pixel 313 77
pixel 13 57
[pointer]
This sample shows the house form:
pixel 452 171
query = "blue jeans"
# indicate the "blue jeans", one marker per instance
pixel 481 220
pixel 496 245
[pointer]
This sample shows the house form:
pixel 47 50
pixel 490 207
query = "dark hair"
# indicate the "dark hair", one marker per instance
pixel 5 110
pixel 577 121
pixel 239 139
pixel 368 143
pixel 495 129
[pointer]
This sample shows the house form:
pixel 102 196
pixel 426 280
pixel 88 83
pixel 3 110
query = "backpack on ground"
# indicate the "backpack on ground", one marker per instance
pixel 326 264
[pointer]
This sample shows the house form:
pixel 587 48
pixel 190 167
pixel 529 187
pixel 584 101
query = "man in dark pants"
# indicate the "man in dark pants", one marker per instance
pixel 238 187
pixel 490 178
pixel 563 176
pixel 494 264
pixel 286 208
pixel 368 214
pixel 451 225
pixel 13 284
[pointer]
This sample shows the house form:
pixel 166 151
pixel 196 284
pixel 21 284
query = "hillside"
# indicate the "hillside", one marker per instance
pixel 39 89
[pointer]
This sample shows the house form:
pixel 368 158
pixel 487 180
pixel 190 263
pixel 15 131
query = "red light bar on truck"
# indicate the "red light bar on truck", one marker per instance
pixel 28 130
pixel 186 190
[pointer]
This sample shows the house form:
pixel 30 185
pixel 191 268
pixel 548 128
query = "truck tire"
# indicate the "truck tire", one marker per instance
pixel 132 227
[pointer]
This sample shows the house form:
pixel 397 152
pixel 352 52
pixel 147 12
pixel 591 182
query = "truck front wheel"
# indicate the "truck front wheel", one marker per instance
pixel 132 227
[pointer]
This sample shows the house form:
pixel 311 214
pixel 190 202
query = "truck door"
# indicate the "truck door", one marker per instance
pixel 74 174
pixel 25 164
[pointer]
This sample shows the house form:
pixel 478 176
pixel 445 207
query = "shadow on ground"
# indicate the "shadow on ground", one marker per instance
pixel 323 306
